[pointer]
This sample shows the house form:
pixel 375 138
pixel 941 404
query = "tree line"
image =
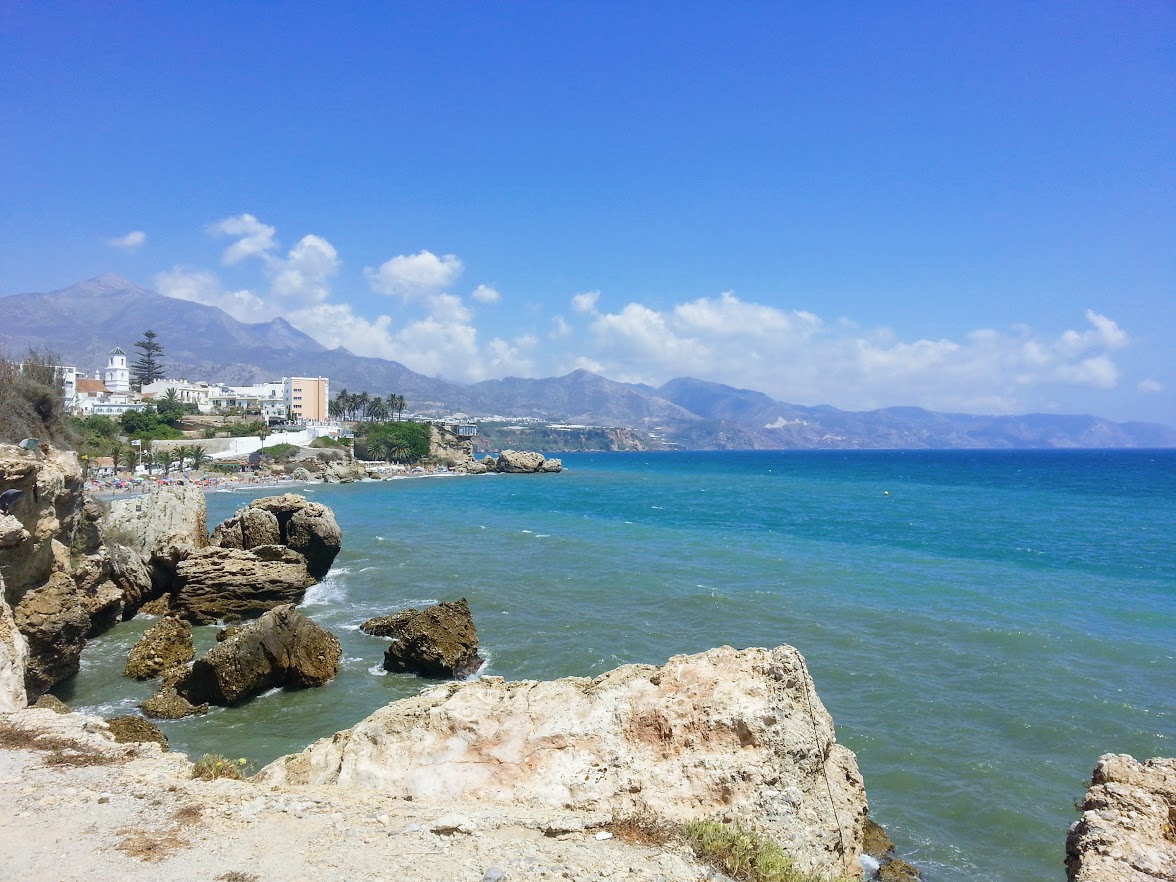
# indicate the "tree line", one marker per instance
pixel 360 407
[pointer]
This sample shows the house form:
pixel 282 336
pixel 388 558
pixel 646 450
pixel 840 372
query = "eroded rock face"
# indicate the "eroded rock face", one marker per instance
pixel 215 583
pixel 130 572
pixel 14 652
pixel 164 526
pixel 167 644
pixel 54 621
pixel 520 461
pixel 133 730
pixel 439 641
pixel 282 648
pixel 101 597
pixel 740 734
pixel 307 527
pixel 1125 833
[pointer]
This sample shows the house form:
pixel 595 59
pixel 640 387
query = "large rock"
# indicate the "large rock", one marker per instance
pixel 164 526
pixel 1127 832
pixel 14 653
pixel 438 641
pixel 167 644
pixel 54 620
pixel 131 573
pixel 282 648
pixel 101 597
pixel 307 527
pixel 733 734
pixel 135 730
pixel 214 583
pixel 520 461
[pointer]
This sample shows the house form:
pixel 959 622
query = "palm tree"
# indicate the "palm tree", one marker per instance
pixel 182 455
pixel 377 448
pixel 119 455
pixel 362 400
pixel 263 431
pixel 400 403
pixel 198 455
pixel 170 397
pixel 377 410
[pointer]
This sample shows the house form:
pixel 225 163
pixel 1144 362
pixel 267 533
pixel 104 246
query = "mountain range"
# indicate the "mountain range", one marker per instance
pixel 82 323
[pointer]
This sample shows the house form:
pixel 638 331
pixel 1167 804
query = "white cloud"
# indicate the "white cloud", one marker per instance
pixel 254 239
pixel 413 276
pixel 486 294
pixel 1150 386
pixel 586 302
pixel 795 356
pixel 559 328
pixel 303 277
pixel 130 243
pixel 202 286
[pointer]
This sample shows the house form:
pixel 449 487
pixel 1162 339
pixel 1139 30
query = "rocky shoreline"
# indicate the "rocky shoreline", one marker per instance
pixel 523 780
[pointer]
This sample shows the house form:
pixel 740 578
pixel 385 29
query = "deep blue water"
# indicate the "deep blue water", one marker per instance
pixel 982 625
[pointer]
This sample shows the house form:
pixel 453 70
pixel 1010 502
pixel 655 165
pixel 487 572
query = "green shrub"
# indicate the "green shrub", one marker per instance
pixel 212 766
pixel 743 854
pixel 279 451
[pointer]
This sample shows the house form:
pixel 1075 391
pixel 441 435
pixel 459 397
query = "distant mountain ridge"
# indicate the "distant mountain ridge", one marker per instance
pixel 83 322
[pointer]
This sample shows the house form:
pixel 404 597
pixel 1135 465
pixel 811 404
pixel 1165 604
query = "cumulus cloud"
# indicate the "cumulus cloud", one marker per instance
pixel 795 356
pixel 202 286
pixel 413 276
pixel 486 294
pixel 1150 386
pixel 129 243
pixel 254 239
pixel 586 302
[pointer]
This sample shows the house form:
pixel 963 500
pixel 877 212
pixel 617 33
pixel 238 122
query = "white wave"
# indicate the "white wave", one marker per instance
pixel 325 593
pixel 528 531
pixel 377 671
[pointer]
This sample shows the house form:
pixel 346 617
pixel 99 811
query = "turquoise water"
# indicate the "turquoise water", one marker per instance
pixel 981 625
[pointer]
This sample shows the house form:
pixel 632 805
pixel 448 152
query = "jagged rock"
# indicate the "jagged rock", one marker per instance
pixel 134 729
pixel 301 474
pixel 49 701
pixel 519 461
pixel 1125 833
pixel 216 584
pixel 225 633
pixel 736 734
pixel 167 644
pixel 38 531
pixel 164 526
pixel 168 704
pixel 160 606
pixel 475 468
pixel 14 652
pixel 876 842
pixel 896 870
pixel 438 641
pixel 55 623
pixel 282 648
pixel 247 528
pixel 551 465
pixel 101 597
pixel 307 527
pixel 89 535
pixel 130 572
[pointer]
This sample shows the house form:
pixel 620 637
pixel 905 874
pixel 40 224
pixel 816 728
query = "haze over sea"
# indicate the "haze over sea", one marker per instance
pixel 982 625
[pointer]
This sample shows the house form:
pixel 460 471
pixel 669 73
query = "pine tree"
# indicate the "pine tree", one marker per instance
pixel 149 366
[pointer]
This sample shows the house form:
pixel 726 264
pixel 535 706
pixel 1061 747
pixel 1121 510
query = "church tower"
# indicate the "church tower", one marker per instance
pixel 117 376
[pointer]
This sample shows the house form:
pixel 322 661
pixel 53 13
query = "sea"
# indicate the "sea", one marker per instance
pixel 982 625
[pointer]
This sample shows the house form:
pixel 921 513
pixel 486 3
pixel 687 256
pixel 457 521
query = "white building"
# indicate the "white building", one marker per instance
pixel 117 376
pixel 267 399
pixel 199 394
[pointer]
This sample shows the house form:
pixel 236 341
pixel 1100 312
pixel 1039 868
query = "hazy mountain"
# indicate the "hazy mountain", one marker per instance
pixel 83 322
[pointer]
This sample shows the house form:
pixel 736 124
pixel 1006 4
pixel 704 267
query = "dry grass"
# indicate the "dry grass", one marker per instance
pixel 212 766
pixel 744 854
pixel 237 876
pixel 650 831
pixel 151 846
pixel 188 815
pixel 58 751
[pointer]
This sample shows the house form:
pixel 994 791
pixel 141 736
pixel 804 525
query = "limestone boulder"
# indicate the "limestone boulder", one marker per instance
pixel 14 652
pixel 247 528
pixel 167 644
pixel 168 704
pixel 89 535
pixel 164 526
pixel 134 729
pixel 39 529
pixel 101 597
pixel 520 461
pixel 475 467
pixel 1125 833
pixel 300 473
pixel 130 572
pixel 438 641
pixel 733 734
pixel 307 527
pixel 214 584
pixel 551 464
pixel 54 621
pixel 282 648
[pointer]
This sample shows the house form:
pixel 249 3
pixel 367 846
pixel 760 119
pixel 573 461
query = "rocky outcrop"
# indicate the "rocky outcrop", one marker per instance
pixel 136 730
pixel 130 572
pixel 282 648
pixel 307 527
pixel 164 526
pixel 736 734
pixel 167 644
pixel 101 597
pixel 518 462
pixel 216 584
pixel 447 447
pixel 1126 832
pixel 14 652
pixel 439 641
pixel 54 621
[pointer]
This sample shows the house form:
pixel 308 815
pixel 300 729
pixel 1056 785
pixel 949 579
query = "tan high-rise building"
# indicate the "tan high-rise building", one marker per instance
pixel 307 397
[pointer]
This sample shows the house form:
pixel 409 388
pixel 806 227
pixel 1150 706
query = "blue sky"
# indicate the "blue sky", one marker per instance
pixel 967 208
